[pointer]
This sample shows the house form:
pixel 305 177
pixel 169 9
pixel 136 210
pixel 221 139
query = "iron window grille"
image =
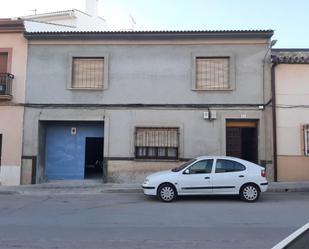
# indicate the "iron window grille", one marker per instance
pixel 156 143
pixel 88 73
pixel 212 73
pixel 6 84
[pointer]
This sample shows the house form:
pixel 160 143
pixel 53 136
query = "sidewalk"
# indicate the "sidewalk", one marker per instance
pixel 71 187
pixel 97 187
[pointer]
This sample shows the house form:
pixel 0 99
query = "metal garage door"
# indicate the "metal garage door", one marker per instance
pixel 65 148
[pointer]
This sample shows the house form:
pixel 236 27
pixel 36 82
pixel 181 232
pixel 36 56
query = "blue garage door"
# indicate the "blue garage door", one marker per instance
pixel 65 148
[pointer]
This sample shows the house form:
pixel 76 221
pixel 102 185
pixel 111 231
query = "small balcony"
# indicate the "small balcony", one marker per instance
pixel 6 86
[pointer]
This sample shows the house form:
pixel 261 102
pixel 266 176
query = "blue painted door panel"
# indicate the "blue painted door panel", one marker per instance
pixel 64 152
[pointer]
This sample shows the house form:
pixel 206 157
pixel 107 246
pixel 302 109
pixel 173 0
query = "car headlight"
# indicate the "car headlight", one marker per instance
pixel 146 181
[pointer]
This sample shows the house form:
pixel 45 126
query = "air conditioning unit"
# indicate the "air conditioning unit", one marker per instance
pixel 206 115
pixel 213 115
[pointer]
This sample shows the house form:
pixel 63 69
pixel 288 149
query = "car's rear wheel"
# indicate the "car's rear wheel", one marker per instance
pixel 249 193
pixel 167 193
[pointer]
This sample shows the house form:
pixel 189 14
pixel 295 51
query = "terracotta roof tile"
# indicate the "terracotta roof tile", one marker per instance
pixel 290 56
pixel 11 26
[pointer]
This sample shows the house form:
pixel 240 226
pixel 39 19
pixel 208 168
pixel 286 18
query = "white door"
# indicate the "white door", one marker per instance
pixel 196 179
pixel 228 176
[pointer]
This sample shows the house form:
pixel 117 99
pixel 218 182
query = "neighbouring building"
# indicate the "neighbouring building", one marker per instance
pixel 67 20
pixel 290 75
pixel 13 61
pixel 118 105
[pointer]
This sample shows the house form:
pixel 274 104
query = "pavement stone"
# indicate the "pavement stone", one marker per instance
pixel 97 187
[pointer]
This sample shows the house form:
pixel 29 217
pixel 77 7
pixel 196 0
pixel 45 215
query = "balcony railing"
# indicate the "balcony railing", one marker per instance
pixel 6 85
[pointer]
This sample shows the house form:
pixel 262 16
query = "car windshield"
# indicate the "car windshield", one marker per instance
pixel 182 166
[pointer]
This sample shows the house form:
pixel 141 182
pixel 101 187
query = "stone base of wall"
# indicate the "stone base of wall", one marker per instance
pixel 135 171
pixel 10 175
pixel 293 168
pixel 270 172
pixel 26 171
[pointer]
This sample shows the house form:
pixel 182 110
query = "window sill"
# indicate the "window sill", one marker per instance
pixel 87 89
pixel 6 97
pixel 212 90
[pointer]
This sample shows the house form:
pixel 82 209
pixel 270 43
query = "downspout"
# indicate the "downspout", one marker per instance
pixel 273 96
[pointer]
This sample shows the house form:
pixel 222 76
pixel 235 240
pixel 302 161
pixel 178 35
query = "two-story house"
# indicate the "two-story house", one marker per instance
pixel 290 78
pixel 13 61
pixel 144 101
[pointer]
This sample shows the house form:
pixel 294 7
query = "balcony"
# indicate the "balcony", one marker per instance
pixel 6 85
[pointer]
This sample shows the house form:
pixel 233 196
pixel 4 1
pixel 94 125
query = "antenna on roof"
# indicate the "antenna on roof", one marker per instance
pixel 34 11
pixel 133 22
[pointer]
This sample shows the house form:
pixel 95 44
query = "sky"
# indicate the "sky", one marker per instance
pixel 288 18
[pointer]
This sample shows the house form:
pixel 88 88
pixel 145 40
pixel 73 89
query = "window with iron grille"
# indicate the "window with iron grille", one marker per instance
pixel 212 73
pixel 306 137
pixel 156 143
pixel 88 73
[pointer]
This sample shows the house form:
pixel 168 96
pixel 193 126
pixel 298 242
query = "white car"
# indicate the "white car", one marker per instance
pixel 209 175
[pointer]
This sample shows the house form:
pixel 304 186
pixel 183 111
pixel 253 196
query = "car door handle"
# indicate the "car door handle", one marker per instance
pixel 241 176
pixel 207 177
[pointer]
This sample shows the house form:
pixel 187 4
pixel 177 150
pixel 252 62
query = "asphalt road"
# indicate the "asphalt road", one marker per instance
pixel 112 220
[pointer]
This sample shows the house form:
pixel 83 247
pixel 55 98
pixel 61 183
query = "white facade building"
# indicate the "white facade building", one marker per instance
pixel 68 20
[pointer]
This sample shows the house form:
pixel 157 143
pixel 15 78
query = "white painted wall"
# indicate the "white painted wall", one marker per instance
pixel 292 88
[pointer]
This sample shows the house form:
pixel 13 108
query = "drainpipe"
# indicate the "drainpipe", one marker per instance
pixel 273 96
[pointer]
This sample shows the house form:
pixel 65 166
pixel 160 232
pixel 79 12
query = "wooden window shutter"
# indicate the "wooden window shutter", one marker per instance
pixel 88 73
pixel 157 137
pixel 3 62
pixel 212 73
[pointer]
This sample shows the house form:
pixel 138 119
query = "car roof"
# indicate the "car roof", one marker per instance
pixel 219 157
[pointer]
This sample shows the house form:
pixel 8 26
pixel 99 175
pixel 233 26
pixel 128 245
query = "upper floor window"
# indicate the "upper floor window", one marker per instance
pixel 88 73
pixel 306 137
pixel 156 143
pixel 212 73
pixel 224 165
pixel 5 77
pixel 3 62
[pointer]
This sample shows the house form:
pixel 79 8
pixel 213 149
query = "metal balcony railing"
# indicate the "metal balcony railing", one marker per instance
pixel 6 85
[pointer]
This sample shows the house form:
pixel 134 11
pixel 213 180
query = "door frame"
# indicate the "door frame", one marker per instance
pixel 243 123
pixel 102 153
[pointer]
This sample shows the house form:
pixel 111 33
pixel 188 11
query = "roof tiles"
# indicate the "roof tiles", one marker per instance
pixel 290 56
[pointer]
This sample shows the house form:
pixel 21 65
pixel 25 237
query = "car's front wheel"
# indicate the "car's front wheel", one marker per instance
pixel 167 192
pixel 249 193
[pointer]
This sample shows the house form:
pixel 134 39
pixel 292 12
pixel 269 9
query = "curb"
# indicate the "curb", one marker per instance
pixel 124 191
pixel 70 191
pixel 288 190
pixel 8 192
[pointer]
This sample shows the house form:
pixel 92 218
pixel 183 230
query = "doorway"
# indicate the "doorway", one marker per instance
pixel 241 139
pixel 94 157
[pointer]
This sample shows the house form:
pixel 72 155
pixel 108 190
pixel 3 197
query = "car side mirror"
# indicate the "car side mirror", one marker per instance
pixel 186 172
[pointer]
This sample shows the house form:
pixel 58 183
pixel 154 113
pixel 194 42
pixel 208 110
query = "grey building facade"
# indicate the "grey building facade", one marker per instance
pixel 119 105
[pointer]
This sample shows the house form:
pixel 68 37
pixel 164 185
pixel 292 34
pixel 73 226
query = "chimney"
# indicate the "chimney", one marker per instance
pixel 92 7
